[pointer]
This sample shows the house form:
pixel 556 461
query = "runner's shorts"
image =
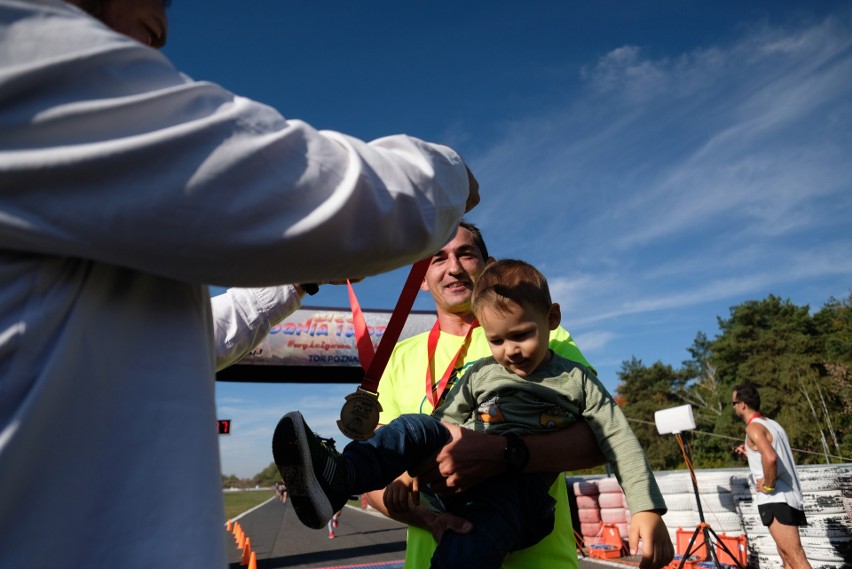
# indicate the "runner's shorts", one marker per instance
pixel 784 513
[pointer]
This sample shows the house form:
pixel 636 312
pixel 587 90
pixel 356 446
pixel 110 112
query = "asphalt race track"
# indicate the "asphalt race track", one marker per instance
pixel 364 540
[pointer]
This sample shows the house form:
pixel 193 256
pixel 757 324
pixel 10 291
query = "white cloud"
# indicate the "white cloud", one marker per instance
pixel 743 130
pixel 592 341
pixel 730 180
pixel 625 70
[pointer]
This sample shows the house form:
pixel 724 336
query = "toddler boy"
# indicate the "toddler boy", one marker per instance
pixel 523 388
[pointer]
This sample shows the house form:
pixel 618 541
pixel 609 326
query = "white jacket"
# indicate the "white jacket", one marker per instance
pixel 125 188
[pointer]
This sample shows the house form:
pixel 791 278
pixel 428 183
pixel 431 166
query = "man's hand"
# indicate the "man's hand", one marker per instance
pixel 439 522
pixel 657 550
pixel 760 483
pixel 422 516
pixel 468 459
pixel 399 492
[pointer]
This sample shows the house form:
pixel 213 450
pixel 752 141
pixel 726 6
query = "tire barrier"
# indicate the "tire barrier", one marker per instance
pixel 613 506
pixel 614 516
pixel 609 486
pixel 587 512
pixel 729 507
pixel 585 488
pixel 589 515
pixel 611 500
pixel 718 500
pixel 587 502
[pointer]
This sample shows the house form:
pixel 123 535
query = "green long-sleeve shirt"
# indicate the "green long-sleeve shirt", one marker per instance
pixel 490 399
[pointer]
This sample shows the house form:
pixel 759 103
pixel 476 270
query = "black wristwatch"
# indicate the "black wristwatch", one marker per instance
pixel 310 288
pixel 517 455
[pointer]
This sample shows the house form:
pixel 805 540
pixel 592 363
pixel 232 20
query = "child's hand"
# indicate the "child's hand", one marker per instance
pixel 657 550
pixel 399 492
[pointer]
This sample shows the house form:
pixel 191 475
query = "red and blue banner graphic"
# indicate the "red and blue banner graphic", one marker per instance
pixel 326 337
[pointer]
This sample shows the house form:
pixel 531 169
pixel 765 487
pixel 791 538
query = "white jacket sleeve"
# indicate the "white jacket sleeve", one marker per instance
pixel 242 318
pixel 108 153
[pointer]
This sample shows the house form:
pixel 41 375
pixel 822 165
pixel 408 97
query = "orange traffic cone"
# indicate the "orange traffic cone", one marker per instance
pixel 246 552
pixel 242 543
pixel 252 561
pixel 229 526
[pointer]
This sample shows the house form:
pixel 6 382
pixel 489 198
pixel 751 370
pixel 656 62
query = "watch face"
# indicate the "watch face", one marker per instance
pixel 515 456
pixel 517 453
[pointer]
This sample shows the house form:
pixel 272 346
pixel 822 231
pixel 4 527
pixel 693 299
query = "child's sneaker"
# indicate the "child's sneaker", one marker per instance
pixel 313 473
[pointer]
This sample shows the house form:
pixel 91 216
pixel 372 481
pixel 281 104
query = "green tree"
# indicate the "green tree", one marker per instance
pixel 710 407
pixel 231 481
pixel 268 476
pixel 834 322
pixel 777 346
pixel 801 364
pixel 642 392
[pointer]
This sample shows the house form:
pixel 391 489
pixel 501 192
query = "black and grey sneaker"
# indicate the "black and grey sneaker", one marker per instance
pixel 315 479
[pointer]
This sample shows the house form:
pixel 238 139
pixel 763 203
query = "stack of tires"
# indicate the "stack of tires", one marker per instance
pixel 614 506
pixel 599 501
pixel 827 539
pixel 717 495
pixel 588 509
pixel 727 501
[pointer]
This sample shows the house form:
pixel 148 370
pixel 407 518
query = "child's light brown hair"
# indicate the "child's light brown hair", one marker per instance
pixel 508 283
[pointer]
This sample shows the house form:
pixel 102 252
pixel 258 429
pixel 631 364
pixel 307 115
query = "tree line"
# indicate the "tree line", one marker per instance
pixel 800 362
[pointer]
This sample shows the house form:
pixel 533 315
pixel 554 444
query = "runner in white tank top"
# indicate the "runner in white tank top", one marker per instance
pixel 770 460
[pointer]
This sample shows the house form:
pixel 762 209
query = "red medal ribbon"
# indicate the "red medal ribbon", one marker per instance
pixel 362 336
pixel 374 361
pixel 435 396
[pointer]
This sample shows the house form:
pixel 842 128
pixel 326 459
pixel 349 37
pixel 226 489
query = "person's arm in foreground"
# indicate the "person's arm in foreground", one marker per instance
pixel 242 318
pixel 136 165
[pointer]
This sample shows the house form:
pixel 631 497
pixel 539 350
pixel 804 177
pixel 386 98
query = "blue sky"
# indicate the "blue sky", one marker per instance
pixel 661 162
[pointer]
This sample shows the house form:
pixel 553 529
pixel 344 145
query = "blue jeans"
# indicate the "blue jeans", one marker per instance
pixel 508 511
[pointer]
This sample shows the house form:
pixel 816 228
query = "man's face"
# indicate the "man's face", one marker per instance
pixel 519 338
pixel 738 405
pixel 143 20
pixel 452 272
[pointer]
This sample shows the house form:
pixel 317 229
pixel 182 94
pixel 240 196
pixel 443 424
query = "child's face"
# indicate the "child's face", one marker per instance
pixel 519 338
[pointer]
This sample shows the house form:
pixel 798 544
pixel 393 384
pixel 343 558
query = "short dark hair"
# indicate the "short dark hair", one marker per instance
pixel 511 282
pixel 477 237
pixel 747 393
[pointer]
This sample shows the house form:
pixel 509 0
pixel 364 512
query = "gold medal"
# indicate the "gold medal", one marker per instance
pixel 360 415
